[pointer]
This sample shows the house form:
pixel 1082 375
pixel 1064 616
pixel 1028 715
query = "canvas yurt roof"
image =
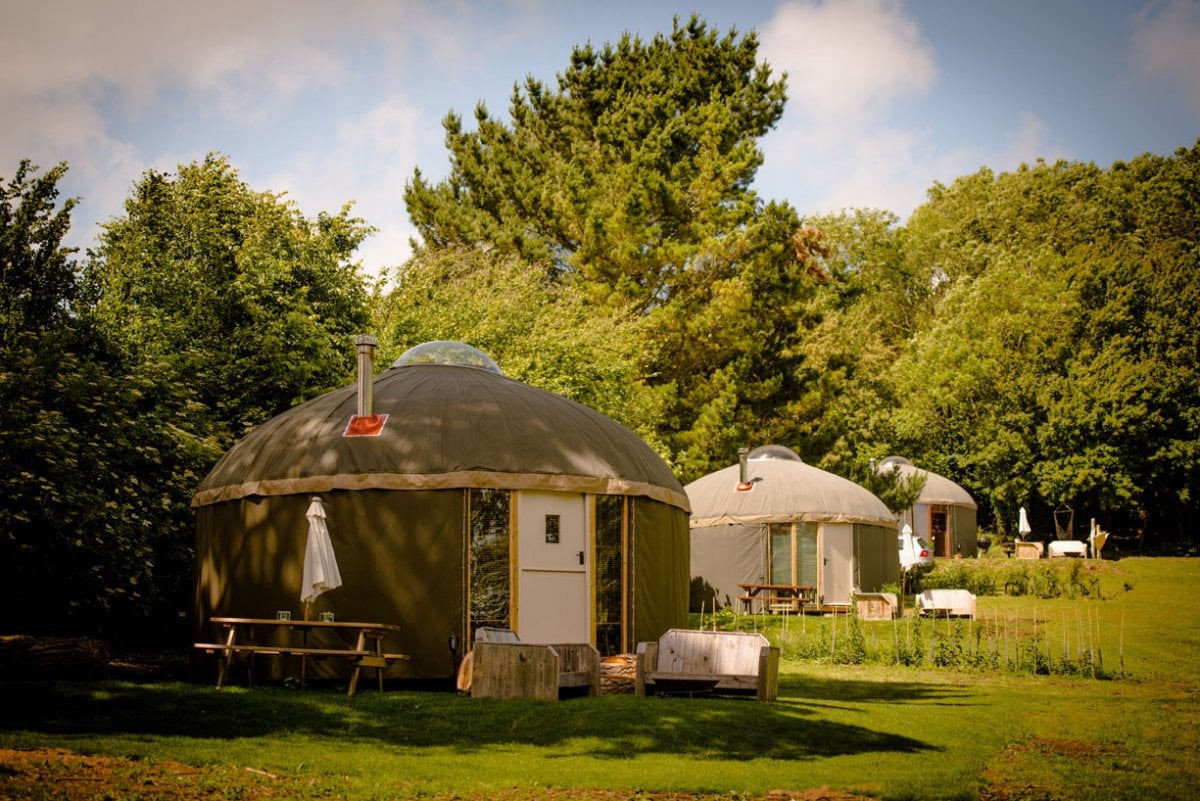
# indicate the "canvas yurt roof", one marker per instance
pixel 937 490
pixel 453 421
pixel 779 488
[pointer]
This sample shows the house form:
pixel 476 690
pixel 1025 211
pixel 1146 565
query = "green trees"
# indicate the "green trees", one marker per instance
pixel 1029 334
pixel 98 461
pixel 870 300
pixel 206 309
pixel 626 177
pixel 539 331
pixel 246 301
pixel 1059 366
pixel 631 183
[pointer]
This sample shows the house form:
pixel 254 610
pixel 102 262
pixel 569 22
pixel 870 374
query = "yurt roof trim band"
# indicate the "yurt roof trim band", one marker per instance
pixel 461 480
pixel 801 517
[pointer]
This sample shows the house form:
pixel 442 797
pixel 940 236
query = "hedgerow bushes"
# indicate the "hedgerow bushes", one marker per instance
pixel 1072 578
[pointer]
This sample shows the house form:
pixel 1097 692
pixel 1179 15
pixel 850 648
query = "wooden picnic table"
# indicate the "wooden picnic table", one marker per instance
pixel 252 636
pixel 777 597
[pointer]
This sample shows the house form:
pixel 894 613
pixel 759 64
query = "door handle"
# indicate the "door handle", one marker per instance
pixel 581 557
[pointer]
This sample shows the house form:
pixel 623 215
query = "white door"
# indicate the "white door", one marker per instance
pixel 837 563
pixel 552 555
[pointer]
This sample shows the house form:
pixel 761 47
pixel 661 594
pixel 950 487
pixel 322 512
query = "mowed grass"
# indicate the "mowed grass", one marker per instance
pixel 881 732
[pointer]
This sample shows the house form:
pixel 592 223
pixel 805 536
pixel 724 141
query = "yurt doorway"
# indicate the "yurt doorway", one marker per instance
pixel 939 532
pixel 838 563
pixel 552 556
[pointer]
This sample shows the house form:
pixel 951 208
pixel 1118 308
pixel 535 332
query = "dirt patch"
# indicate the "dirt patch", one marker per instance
pixel 66 776
pixel 1008 776
pixel 62 775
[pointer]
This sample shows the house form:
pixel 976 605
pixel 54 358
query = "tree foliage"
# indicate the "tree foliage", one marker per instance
pixel 98 456
pixel 625 176
pixel 1030 334
pixel 631 182
pixel 1059 367
pixel 247 301
pixel 540 332
pixel 869 301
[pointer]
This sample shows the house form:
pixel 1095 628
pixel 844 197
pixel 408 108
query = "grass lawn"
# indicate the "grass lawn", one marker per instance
pixel 836 732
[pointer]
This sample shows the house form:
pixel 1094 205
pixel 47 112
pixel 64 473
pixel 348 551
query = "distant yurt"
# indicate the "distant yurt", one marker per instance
pixel 772 519
pixel 944 514
pixel 454 498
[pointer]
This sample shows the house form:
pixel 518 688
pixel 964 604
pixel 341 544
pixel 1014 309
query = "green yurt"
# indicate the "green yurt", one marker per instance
pixel 454 498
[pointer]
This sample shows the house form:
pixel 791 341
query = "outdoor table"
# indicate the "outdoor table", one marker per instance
pixel 794 596
pixel 246 635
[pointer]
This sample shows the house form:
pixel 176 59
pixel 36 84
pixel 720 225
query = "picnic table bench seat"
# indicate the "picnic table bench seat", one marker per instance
pixel 277 650
pixel 250 637
pixel 692 661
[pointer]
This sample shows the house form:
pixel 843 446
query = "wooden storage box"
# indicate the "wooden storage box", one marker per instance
pixel 876 605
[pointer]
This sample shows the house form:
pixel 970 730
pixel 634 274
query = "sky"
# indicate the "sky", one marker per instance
pixel 336 102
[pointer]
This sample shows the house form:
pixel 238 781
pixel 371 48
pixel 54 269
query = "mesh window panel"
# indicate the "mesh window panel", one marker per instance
pixel 610 516
pixel 490 581
pixel 781 553
pixel 806 554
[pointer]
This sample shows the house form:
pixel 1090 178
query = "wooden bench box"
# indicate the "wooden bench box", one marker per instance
pixel 501 666
pixel 1062 548
pixel 687 661
pixel 1027 550
pixel 946 603
pixel 876 605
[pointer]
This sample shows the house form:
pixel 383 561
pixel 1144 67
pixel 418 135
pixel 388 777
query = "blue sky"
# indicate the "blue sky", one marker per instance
pixel 333 102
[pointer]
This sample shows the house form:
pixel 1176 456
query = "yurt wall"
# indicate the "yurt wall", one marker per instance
pixel 876 565
pixel 661 567
pixel 948 528
pixel 722 558
pixel 404 559
pixel 963 522
pixel 400 555
pixel 791 553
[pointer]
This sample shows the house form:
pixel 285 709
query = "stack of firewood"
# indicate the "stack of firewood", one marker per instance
pixel 617 674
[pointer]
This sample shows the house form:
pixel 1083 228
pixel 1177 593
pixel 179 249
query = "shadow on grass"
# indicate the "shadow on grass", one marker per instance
pixel 840 693
pixel 616 727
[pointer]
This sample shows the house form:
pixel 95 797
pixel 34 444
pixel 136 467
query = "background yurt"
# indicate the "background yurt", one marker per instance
pixel 772 519
pixel 455 498
pixel 944 515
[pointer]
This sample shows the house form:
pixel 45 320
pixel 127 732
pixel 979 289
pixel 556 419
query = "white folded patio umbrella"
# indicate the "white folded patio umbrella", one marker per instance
pixel 320 564
pixel 1023 524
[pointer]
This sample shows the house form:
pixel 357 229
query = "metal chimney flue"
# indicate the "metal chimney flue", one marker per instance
pixel 366 374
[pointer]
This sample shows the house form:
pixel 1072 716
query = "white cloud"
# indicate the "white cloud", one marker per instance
pixel 104 86
pixel 1166 43
pixel 236 58
pixel 848 64
pixel 846 61
pixel 839 146
pixel 372 157
pixel 1028 142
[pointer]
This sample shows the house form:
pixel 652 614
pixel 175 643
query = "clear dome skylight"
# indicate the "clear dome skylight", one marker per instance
pixel 446 352
pixel 775 452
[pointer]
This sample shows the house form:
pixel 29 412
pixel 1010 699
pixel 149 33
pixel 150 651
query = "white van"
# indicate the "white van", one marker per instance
pixel 916 556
